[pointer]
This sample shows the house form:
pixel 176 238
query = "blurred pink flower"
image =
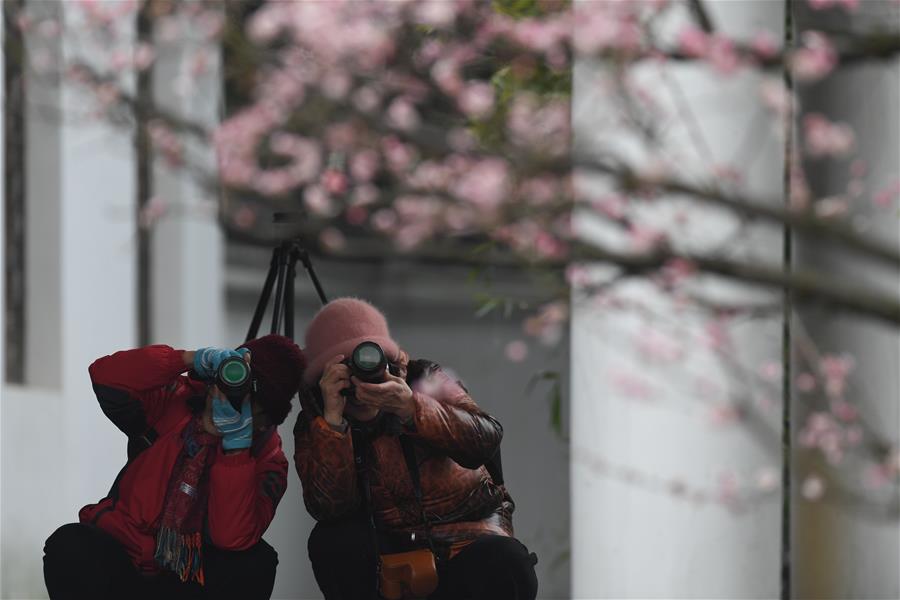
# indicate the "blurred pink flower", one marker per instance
pixel 835 370
pixel 317 201
pixel 485 184
pixel 364 195
pixel 654 345
pixel 848 5
pixel 693 41
pixel 403 115
pixel 832 207
pixel 722 55
pixel 630 385
pixel 384 220
pixel 813 488
pixel 356 215
pixel 144 55
pixel 244 217
pixel 770 371
pixel 805 382
pixel 729 487
pixel 843 410
pixel 767 479
pixel 765 45
pixel 516 351
pixel 775 95
pixel 332 239
pixel 816 59
pixel 477 99
pixel 364 165
pixel 644 238
pixel 398 155
pixel 722 414
pixel 334 182
pixel 885 197
pixel 437 13
pixel 826 138
pixel 153 211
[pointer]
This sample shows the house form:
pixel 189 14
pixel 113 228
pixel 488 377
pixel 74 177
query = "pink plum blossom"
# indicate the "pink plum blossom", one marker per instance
pixel 767 479
pixel 477 99
pixel 332 239
pixel 485 185
pixel 693 41
pixel 516 351
pixel 765 45
pixel 826 138
pixel 775 95
pixel 813 488
pixel 654 345
pixel 887 195
pixel 722 55
pixel 631 385
pixel 835 370
pixel 816 59
pixel 805 382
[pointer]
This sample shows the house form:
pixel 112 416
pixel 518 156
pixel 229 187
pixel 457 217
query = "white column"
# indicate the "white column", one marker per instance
pixel 188 247
pixel 633 536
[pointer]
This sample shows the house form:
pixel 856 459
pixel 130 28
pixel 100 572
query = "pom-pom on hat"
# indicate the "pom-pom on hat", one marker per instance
pixel 338 328
pixel 277 364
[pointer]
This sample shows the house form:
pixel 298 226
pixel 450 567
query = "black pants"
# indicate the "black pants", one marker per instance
pixel 492 567
pixel 83 561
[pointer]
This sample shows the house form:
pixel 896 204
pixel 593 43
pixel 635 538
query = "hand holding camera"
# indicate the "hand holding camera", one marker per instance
pixel 335 380
pixel 236 427
pixel 392 395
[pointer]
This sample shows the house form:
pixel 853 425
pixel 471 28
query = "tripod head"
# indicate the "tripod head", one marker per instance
pixel 282 271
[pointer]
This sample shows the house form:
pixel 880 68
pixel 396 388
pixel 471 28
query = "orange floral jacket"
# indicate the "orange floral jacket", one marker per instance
pixel 452 440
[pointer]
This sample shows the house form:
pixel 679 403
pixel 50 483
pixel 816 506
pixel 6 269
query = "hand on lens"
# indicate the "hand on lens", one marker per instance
pixel 236 427
pixel 335 378
pixel 207 360
pixel 392 395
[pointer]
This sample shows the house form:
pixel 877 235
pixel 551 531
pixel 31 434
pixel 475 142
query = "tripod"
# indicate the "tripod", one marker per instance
pixel 282 270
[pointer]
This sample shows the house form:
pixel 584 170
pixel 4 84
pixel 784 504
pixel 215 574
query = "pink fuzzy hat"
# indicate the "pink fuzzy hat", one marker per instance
pixel 338 328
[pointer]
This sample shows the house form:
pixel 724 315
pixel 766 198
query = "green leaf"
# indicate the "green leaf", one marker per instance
pixel 487 307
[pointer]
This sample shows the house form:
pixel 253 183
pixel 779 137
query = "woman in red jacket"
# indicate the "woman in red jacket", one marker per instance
pixel 186 515
pixel 398 465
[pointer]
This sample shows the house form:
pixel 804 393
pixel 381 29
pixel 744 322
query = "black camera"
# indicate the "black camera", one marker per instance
pixel 367 363
pixel 235 379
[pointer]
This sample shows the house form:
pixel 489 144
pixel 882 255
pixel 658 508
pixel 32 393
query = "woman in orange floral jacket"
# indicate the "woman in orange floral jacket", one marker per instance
pixel 357 477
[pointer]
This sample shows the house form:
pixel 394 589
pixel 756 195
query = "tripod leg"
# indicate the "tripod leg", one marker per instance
pixel 307 264
pixel 279 291
pixel 289 296
pixel 264 296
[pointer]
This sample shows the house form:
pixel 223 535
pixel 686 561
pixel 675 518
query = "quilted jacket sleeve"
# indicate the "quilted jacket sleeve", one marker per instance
pixel 132 386
pixel 324 461
pixel 449 420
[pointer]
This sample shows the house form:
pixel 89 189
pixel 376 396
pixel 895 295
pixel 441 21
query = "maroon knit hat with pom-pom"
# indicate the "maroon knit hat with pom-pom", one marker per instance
pixel 277 364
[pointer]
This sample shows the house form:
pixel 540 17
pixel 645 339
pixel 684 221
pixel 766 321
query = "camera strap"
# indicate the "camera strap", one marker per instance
pixel 409 453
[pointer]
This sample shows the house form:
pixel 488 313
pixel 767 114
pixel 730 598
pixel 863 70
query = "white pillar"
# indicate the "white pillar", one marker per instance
pixel 633 535
pixel 188 252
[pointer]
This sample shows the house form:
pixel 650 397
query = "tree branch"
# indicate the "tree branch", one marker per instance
pixel 805 221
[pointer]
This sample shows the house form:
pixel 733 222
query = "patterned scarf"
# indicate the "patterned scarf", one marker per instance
pixel 178 542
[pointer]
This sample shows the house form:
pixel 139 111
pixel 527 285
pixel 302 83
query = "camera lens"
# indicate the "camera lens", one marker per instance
pixel 233 379
pixel 368 361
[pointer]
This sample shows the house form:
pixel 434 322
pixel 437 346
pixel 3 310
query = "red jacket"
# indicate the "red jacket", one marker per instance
pixel 144 388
